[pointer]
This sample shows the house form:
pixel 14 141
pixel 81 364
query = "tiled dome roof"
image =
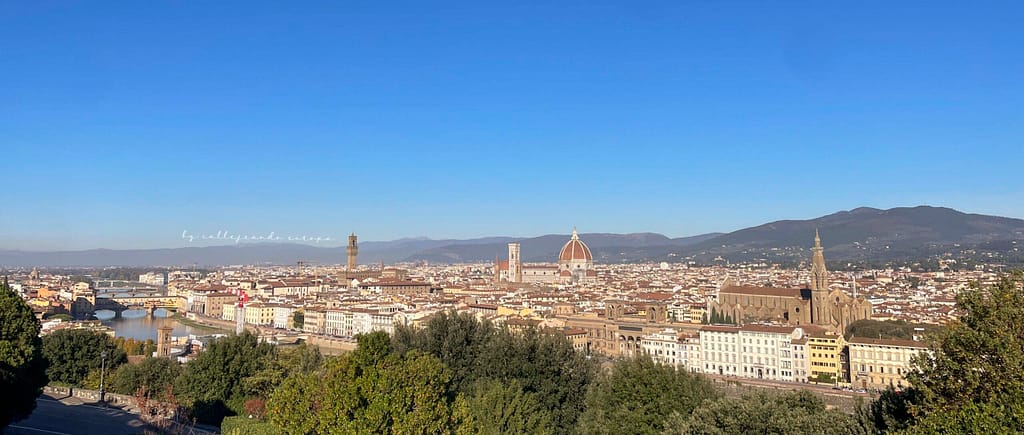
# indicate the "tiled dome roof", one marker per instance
pixel 575 249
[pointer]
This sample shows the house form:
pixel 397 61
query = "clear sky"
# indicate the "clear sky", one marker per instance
pixel 123 124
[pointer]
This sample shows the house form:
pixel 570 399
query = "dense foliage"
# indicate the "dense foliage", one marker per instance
pixel 765 413
pixel 213 384
pixel 73 353
pixel 543 363
pixel 496 407
pixel 637 395
pixel 132 346
pixel 153 378
pixel 368 391
pixel 973 379
pixel 22 366
pixel 716 318
pixel 243 425
pixel 897 329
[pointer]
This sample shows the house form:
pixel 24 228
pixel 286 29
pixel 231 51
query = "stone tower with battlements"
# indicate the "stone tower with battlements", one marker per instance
pixel 352 251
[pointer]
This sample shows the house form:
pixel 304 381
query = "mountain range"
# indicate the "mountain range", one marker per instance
pixel 862 234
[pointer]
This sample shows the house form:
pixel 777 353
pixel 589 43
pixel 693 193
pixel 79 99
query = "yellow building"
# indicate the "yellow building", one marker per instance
pixel 259 314
pixel 578 338
pixel 825 357
pixel 880 363
pixel 47 292
pixel 697 313
pixel 227 312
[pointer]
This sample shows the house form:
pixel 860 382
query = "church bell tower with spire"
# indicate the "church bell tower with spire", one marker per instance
pixel 819 285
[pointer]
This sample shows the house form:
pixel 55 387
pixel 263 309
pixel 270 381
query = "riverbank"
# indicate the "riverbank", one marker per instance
pixel 198 325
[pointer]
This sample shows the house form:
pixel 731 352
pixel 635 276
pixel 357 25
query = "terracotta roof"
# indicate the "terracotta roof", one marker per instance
pixel 656 296
pixel 762 291
pixel 575 331
pixel 767 328
pixel 888 342
pixel 720 328
pixel 575 249
pixel 483 306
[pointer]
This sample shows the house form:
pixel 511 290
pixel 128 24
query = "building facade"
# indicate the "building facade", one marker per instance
pixel 575 266
pixel 816 305
pixel 881 363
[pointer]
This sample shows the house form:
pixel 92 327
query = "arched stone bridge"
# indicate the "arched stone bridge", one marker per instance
pixel 151 303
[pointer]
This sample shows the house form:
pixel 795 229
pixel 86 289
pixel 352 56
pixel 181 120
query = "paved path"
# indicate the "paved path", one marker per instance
pixel 73 417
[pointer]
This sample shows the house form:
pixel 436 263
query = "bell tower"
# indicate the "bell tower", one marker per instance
pixel 515 265
pixel 352 251
pixel 821 314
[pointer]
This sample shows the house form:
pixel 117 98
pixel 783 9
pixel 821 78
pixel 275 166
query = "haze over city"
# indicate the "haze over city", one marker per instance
pixel 124 126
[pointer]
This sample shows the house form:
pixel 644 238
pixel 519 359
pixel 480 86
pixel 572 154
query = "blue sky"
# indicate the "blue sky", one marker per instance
pixel 124 124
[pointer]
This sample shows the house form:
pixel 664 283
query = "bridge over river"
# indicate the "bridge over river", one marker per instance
pixel 119 302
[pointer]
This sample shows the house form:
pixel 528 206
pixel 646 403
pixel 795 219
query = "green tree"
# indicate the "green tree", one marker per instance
pixel 302 358
pixel 890 412
pixel 155 376
pixel 22 366
pixel 544 363
pixel 637 396
pixel 974 371
pixel 823 378
pixel 212 384
pixel 295 404
pixel 898 329
pixel 458 339
pixel 72 353
pixel 298 320
pixel 497 408
pixel 766 413
pixel 1003 417
pixel 371 392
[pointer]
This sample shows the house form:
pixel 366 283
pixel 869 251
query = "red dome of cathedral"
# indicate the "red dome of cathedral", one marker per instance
pixel 575 249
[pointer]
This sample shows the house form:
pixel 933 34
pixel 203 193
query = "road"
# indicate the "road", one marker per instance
pixel 73 417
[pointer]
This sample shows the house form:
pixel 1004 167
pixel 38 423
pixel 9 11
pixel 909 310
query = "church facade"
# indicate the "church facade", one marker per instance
pixel 575 266
pixel 817 305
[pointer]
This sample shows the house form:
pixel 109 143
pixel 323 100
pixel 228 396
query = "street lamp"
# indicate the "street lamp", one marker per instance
pixel 103 369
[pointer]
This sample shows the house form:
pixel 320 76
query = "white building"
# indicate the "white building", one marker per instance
pixel 776 353
pixel 153 278
pixel 283 316
pixel 767 351
pixel 338 323
pixel 720 350
pixel 667 347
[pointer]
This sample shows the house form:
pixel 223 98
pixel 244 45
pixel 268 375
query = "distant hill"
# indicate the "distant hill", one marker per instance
pixel 606 248
pixel 862 234
pixel 867 233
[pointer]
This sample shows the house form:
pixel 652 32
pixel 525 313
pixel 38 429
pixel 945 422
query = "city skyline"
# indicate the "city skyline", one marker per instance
pixel 124 126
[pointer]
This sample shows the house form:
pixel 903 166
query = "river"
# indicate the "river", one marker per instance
pixel 139 325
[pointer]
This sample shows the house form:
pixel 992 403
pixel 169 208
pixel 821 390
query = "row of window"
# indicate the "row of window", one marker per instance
pixel 881 369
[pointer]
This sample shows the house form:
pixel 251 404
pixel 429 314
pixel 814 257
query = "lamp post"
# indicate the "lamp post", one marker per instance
pixel 103 370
